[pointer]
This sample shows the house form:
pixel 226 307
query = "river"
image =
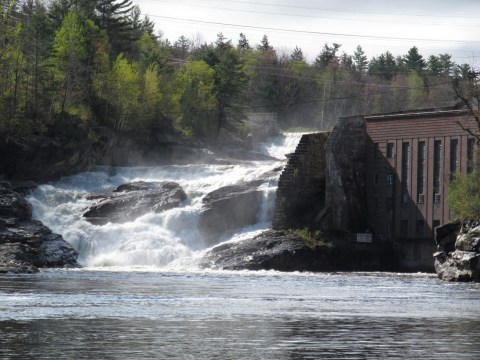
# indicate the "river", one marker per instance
pixel 140 293
pixel 134 313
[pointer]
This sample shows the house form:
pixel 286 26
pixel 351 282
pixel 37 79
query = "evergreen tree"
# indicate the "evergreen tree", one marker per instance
pixel 37 35
pixel 446 64
pixel 243 44
pixel 360 60
pixel 328 56
pixel 414 61
pixel 383 66
pixel 265 45
pixel 229 81
pixel 180 48
pixel 114 16
pixel 434 66
pixel 297 55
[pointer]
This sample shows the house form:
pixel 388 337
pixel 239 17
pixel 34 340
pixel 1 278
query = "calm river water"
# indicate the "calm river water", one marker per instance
pixel 141 313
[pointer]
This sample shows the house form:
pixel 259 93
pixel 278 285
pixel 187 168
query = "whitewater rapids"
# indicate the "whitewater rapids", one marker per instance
pixel 164 240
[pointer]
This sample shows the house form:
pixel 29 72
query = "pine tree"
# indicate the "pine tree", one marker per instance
pixel 297 55
pixel 414 61
pixel 328 56
pixel 360 60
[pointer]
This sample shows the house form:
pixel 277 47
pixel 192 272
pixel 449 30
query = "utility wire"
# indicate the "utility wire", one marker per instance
pixel 374 37
pixel 312 16
pixel 469 16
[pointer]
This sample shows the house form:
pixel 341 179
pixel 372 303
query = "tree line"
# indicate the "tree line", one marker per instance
pixel 69 66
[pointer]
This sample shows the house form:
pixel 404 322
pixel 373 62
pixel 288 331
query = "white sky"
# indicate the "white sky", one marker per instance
pixel 434 26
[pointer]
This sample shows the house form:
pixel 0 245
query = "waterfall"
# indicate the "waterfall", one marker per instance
pixel 153 239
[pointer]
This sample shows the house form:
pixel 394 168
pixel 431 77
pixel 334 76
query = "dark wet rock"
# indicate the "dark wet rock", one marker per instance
pixel 458 252
pixel 132 200
pixel 26 244
pixel 54 251
pixel 23 187
pixel 12 204
pixel 446 235
pixel 284 251
pixel 232 207
pixel 32 243
pixel 228 208
pixel 272 250
pixel 44 158
pixel 15 258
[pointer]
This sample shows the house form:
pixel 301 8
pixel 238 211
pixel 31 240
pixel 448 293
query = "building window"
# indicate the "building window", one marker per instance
pixel 375 179
pixel 375 150
pixel 375 205
pixel 422 152
pixel 405 170
pixel 437 168
pixel 390 179
pixel 420 231
pixel 404 228
pixel 453 156
pixel 390 150
pixel 470 154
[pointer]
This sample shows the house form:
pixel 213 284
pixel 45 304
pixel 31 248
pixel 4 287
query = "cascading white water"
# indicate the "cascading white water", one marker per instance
pixel 153 239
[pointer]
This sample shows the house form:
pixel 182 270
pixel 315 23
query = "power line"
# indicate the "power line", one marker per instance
pixel 353 10
pixel 375 37
pixel 310 16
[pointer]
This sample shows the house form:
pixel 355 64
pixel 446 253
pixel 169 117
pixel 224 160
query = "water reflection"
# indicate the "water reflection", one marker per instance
pixel 124 315
pixel 249 338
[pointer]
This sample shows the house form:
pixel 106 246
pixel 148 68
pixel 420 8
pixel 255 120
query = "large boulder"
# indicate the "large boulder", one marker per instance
pixel 229 208
pixel 458 252
pixel 286 250
pixel 135 199
pixel 271 250
pixel 26 244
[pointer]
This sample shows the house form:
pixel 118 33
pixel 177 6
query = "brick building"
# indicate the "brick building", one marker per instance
pixel 411 158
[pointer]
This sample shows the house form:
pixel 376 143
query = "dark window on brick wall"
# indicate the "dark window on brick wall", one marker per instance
pixel 390 150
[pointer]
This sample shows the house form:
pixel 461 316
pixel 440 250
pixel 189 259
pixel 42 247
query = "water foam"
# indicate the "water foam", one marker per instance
pixel 155 240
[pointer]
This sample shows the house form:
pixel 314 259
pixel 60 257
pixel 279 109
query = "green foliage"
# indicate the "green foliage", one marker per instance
pixel 124 92
pixel 193 99
pixel 312 239
pixel 68 61
pixel 464 196
pixel 75 64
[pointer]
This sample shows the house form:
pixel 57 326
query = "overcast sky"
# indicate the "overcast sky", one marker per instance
pixel 434 26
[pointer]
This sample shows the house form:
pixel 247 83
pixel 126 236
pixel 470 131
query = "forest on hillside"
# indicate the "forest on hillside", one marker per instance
pixel 70 66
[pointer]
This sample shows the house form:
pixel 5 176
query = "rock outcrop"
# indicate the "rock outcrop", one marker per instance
pixel 286 251
pixel 26 244
pixel 132 200
pixel 458 251
pixel 43 158
pixel 232 207
pixel 229 208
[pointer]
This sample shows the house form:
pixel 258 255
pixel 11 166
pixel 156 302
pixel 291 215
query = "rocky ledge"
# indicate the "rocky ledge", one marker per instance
pixel 287 251
pixel 131 200
pixel 458 251
pixel 26 244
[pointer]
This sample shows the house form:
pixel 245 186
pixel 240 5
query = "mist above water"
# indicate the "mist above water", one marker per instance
pixel 164 240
